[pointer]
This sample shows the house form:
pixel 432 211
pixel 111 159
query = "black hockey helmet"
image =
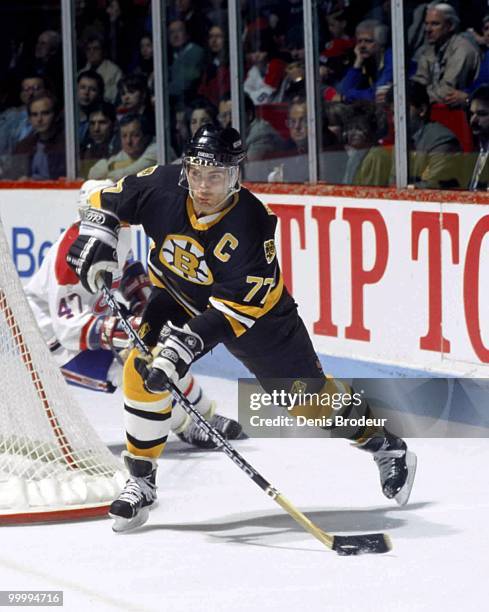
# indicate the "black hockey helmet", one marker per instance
pixel 215 146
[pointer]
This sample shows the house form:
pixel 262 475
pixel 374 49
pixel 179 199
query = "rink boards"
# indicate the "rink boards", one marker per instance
pixel 391 281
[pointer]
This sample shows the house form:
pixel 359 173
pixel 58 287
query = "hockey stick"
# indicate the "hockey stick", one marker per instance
pixel 343 545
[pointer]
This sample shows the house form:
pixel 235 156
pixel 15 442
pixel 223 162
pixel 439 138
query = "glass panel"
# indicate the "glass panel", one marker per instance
pixel 198 67
pixel 448 98
pixel 356 77
pixel 114 88
pixel 32 142
pixel 274 91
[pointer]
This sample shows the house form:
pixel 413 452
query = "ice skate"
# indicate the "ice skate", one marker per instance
pixel 397 466
pixel 131 508
pixel 194 435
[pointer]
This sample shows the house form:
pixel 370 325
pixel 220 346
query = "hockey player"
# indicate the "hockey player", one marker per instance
pixel 86 341
pixel 216 279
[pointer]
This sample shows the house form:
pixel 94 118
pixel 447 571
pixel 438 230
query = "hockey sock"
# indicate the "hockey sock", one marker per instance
pixel 338 409
pixel 190 387
pixel 147 416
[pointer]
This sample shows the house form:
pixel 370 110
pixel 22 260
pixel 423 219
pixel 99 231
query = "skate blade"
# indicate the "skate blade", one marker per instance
pixel 122 525
pixel 403 496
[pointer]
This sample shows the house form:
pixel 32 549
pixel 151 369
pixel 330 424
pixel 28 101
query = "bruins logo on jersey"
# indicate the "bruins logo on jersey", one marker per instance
pixel 185 256
pixel 270 252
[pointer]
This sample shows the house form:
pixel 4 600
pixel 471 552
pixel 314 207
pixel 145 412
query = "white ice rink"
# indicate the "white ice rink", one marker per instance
pixel 216 542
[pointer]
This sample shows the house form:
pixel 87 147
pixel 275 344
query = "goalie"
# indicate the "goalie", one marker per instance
pixel 87 342
pixel 215 279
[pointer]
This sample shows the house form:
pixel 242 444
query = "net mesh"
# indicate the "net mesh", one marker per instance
pixel 50 456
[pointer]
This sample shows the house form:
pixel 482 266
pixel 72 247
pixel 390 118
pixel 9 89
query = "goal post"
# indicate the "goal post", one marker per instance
pixel 53 465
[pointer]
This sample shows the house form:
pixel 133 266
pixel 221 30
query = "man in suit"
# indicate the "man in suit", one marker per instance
pixel 476 167
pixel 432 163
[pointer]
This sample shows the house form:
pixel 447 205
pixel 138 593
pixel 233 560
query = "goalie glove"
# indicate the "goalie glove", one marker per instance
pixel 94 252
pixel 135 287
pixel 176 350
pixel 106 332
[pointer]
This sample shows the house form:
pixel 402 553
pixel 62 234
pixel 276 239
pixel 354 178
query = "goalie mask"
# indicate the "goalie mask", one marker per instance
pixel 210 167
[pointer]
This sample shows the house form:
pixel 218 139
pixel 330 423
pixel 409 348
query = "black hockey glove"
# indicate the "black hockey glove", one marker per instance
pixel 173 355
pixel 94 252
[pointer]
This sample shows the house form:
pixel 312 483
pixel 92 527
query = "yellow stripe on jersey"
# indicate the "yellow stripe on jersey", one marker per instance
pixel 236 326
pixel 256 311
pixel 199 225
pixel 155 280
pixel 95 199
pixel 242 317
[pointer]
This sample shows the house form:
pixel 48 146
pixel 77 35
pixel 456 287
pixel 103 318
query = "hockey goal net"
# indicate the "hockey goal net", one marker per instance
pixel 53 465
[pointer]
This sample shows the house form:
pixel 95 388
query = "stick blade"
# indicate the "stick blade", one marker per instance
pixel 362 544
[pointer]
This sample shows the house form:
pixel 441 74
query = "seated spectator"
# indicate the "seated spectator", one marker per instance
pixel 14 122
pixel 216 11
pixel 180 131
pixel 215 80
pixel 90 92
pixel 134 96
pixel 461 97
pixel 96 60
pixel 41 154
pixel 196 23
pixel 447 61
pixel 432 163
pixel 118 28
pixel 265 72
pixel 339 43
pixel 335 116
pixel 294 166
pixel 293 84
pixel 368 164
pixel 138 152
pixel 185 64
pixel 370 77
pixel 297 124
pixel 381 11
pixel 47 61
pixel 476 169
pixel 331 72
pixel 100 141
pixel 201 113
pixel 144 61
pixel 262 141
pixel 225 116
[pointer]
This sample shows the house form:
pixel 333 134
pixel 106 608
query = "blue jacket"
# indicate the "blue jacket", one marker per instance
pixel 357 85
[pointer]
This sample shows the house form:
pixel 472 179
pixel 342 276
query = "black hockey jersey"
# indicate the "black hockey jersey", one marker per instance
pixel 221 268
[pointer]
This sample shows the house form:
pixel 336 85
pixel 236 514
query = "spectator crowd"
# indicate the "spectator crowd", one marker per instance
pixel 447 90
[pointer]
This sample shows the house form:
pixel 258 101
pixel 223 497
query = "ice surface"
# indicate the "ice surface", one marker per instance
pixel 217 543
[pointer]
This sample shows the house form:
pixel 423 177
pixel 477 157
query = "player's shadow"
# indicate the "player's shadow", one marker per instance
pixel 280 530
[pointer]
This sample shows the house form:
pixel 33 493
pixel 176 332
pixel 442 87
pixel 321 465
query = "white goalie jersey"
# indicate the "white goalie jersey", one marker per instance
pixel 64 310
